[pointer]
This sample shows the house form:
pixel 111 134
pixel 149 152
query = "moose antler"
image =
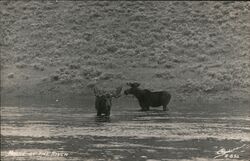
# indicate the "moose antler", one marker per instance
pixel 114 93
pixel 98 92
pixel 133 84
pixel 117 92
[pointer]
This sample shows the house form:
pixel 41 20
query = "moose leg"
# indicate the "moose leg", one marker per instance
pixel 165 108
pixel 165 101
pixel 107 111
pixel 99 113
pixel 144 107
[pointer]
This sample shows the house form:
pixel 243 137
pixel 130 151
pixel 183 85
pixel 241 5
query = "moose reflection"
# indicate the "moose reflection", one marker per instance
pixel 103 101
pixel 147 98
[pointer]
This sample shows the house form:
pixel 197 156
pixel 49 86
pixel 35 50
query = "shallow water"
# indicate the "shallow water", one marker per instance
pixel 35 129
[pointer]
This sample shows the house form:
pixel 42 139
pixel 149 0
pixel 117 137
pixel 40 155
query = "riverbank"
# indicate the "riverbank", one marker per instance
pixel 194 50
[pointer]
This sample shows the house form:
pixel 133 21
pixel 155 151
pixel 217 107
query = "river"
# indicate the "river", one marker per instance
pixel 53 129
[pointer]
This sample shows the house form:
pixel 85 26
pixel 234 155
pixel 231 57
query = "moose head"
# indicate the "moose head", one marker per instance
pixel 103 101
pixel 134 88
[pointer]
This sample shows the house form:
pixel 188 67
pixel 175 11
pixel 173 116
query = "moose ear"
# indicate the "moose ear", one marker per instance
pixel 129 84
pixel 137 84
pixel 95 91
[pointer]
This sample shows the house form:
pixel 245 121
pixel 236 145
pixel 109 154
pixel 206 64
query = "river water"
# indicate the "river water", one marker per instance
pixel 53 129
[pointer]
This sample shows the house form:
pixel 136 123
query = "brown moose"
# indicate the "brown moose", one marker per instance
pixel 147 98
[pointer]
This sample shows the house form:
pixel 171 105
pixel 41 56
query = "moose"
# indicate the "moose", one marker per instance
pixel 103 100
pixel 147 98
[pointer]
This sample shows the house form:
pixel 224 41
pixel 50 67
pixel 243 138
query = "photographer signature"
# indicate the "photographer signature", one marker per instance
pixel 225 153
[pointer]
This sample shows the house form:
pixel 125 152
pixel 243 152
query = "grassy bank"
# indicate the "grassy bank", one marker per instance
pixel 195 50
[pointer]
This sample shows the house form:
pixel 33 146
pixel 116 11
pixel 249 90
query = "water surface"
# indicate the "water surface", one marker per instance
pixel 54 129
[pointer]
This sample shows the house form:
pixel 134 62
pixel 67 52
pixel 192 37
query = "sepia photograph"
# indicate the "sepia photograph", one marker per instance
pixel 125 80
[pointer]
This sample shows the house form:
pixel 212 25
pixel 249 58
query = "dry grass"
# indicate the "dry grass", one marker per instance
pixel 186 46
